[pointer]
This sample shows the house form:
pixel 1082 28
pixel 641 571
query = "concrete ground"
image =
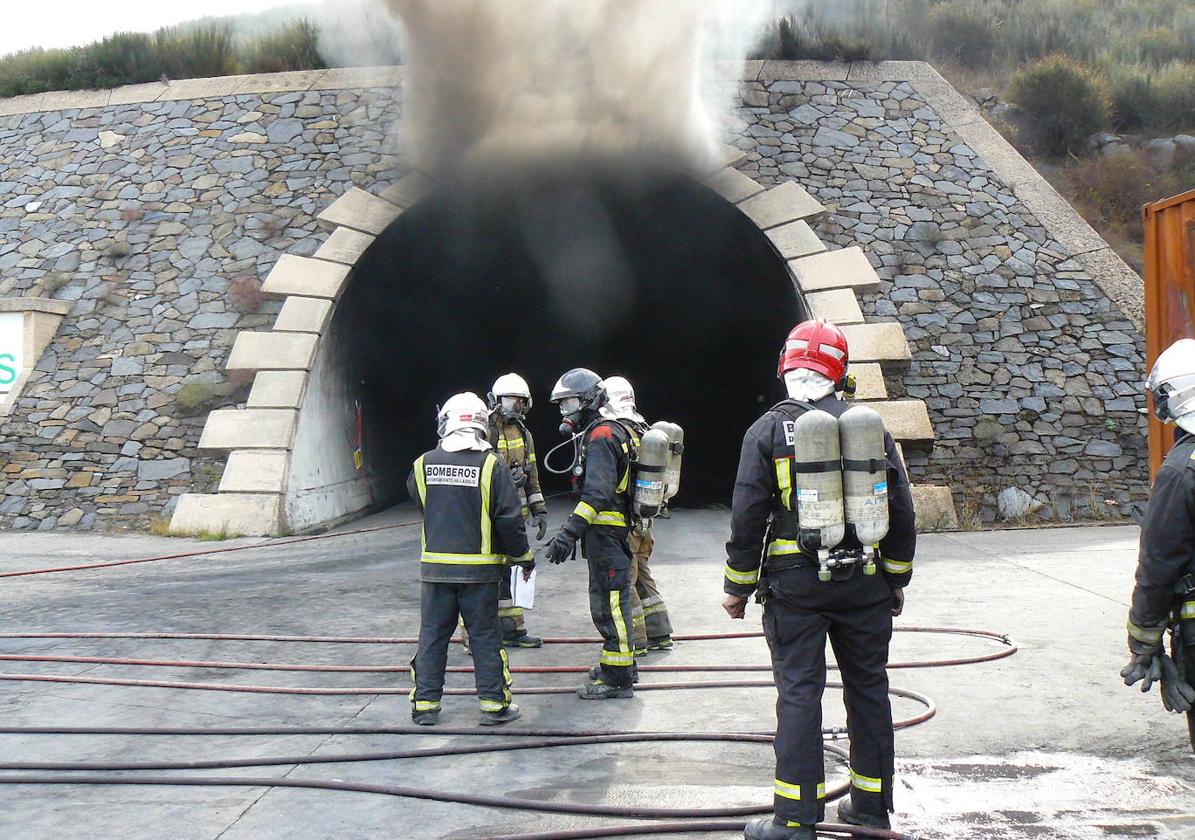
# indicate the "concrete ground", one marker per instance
pixel 1045 744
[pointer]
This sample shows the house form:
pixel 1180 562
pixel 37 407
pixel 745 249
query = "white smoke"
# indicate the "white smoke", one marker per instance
pixel 502 80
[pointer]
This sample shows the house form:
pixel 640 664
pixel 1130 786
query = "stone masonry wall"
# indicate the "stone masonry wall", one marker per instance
pixel 1031 375
pixel 158 220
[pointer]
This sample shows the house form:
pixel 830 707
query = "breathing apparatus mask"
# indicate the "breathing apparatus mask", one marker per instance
pixel 570 416
pixel 511 408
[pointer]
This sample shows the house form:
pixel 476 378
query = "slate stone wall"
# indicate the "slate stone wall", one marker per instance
pixel 1031 374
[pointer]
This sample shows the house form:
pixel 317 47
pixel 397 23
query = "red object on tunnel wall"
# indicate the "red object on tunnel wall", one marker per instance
pixel 1169 293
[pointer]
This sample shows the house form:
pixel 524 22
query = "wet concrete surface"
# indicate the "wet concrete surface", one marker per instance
pixel 1045 744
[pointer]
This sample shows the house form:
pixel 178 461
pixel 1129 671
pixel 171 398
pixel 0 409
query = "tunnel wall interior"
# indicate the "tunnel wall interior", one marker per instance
pixel 655 278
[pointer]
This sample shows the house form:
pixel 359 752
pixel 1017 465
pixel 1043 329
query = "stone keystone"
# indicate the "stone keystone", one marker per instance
pixel 255 471
pixel 836 305
pixel 796 239
pixel 884 343
pixel 344 246
pixel 906 420
pixel 303 314
pixel 277 389
pixel 733 185
pixel 251 428
pixel 408 190
pixel 845 269
pixel 869 381
pixel 305 277
pixel 272 351
pixel 234 514
pixel 781 205
pixel 361 211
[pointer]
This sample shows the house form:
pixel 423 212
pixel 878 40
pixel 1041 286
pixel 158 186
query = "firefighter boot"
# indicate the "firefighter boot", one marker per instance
pixel 851 815
pixel 595 672
pixel 426 717
pixel 522 640
pixel 601 690
pixel 506 715
pixel 763 828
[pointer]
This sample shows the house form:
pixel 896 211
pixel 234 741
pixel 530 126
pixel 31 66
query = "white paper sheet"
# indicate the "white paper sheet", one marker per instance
pixel 522 591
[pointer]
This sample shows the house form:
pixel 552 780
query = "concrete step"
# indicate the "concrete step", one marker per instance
pixel 273 351
pixel 251 428
pixel 255 471
pixel 244 514
pixel 361 211
pixel 305 276
pixel 794 240
pixel 304 315
pixel 881 342
pixel 839 306
pixel 906 420
pixel 869 381
pixel 934 506
pixel 781 205
pixel 847 268
pixel 278 389
pixel 733 185
pixel 344 246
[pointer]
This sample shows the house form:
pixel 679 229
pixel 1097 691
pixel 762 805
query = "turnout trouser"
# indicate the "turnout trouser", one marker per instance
pixel 477 605
pixel 800 613
pixel 609 559
pixel 648 611
pixel 511 616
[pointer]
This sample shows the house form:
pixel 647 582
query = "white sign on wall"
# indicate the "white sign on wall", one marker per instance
pixel 12 346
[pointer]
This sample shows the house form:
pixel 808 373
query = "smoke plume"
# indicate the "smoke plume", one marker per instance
pixel 533 80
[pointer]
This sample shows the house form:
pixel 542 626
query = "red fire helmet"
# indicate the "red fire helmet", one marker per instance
pixel 817 345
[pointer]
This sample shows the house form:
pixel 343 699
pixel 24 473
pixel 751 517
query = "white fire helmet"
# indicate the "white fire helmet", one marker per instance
pixel 620 400
pixel 462 412
pixel 510 386
pixel 1171 383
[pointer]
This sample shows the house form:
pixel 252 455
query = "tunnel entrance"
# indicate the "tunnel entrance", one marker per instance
pixel 658 279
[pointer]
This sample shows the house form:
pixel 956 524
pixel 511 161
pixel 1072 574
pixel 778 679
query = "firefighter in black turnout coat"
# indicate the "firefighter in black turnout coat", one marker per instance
pixel 472 522
pixel 601 522
pixel 1165 592
pixel 855 608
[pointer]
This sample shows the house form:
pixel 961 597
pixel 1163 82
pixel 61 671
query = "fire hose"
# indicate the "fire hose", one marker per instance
pixel 697 819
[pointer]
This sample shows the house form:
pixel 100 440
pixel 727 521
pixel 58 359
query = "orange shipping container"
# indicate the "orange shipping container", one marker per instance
pixel 1169 293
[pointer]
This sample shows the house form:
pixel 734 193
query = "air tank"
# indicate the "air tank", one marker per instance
pixel 864 475
pixel 676 449
pixel 817 479
pixel 649 473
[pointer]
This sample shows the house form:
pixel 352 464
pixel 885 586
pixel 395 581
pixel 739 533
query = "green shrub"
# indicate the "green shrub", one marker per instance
pixel 1133 99
pixel 1174 98
pixel 120 59
pixel 293 47
pixel 1111 189
pixel 1068 101
pixel 1160 45
pixel 198 52
pixel 963 34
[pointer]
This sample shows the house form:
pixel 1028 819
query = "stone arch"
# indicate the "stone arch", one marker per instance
pixel 257 493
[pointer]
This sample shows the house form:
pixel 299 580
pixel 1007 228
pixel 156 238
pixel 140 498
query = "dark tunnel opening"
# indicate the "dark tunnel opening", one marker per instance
pixel 658 279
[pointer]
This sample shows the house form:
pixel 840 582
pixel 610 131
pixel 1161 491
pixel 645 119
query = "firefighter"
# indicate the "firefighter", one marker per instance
pixel 801 608
pixel 472 522
pixel 510 400
pixel 649 613
pixel 1165 592
pixel 600 521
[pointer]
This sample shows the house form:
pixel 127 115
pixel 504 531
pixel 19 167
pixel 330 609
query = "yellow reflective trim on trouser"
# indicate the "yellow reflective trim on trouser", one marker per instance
pixel 781 547
pixel 427 705
pixel 1149 635
pixel 786 790
pixel 510 612
pixel 1188 610
pixel 617 660
pixel 897 567
pixel 487 471
pixel 784 482
pixel 585 511
pixel 507 679
pixel 492 705
pixel 612 518
pixel 620 627
pixel 420 480
pixel 867 783
pixel 744 578
pixel 462 559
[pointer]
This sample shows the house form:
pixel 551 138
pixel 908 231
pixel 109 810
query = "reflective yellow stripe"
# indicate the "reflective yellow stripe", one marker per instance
pixel 867 783
pixel 531 458
pixel 745 578
pixel 1188 610
pixel 487 471
pixel 1149 635
pixel 427 705
pixel 786 790
pixel 620 626
pixel 617 660
pixel 461 559
pixel 626 478
pixel 421 480
pixel 612 518
pixel 507 679
pixel 780 547
pixel 585 511
pixel 897 567
pixel 784 482
pixel 492 705
pixel 510 612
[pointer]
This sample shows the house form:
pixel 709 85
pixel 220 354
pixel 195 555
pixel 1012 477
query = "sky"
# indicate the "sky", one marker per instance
pixel 68 23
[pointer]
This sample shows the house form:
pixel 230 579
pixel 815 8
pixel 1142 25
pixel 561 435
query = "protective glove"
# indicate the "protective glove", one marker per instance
pixel 562 547
pixel 898 602
pixel 541 524
pixel 518 475
pixel 1177 695
pixel 1144 668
